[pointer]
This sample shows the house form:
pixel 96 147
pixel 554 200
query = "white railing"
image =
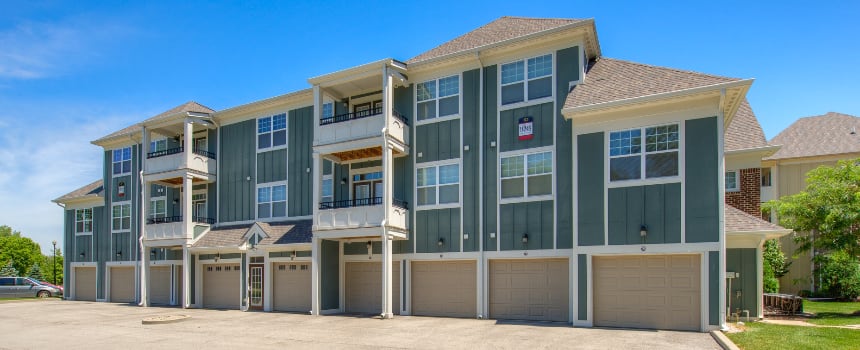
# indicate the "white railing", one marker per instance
pixel 169 230
pixel 359 217
pixel 176 161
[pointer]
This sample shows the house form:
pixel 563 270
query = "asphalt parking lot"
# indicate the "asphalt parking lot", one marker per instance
pixel 47 324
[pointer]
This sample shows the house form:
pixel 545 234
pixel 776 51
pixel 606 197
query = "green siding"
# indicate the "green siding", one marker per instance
pixel 193 269
pixel 366 164
pixel 360 248
pixel 114 188
pixel 212 141
pixel 329 265
pixel 223 256
pixel 341 174
pixel 212 201
pixel 582 285
pixel 431 225
pixel 567 70
pixel 83 244
pixel 244 277
pixel 301 138
pixel 470 161
pixel 590 183
pixel 327 167
pixel 743 261
pixel 701 174
pixel 714 288
pixel 287 254
pixel 236 163
pixel 490 162
pixel 532 218
pixel 658 207
pixel 120 243
pixel 173 200
pixel 403 180
pixel 542 127
pixel 272 166
pixel 438 141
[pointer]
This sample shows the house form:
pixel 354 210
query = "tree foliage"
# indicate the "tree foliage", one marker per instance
pixel 775 258
pixel 826 214
pixel 36 272
pixel 47 266
pixel 840 275
pixel 20 250
pixel 8 270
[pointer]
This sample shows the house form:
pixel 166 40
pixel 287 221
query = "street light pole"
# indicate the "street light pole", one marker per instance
pixel 54 262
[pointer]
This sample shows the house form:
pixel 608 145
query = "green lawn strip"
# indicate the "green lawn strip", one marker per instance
pixel 763 336
pixel 832 313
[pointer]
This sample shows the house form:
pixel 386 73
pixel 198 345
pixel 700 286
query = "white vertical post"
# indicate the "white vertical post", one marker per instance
pixel 387 297
pixel 144 276
pixel 144 209
pixel 318 102
pixel 315 276
pixel 187 212
pixel 188 142
pixel 186 277
pixel 316 180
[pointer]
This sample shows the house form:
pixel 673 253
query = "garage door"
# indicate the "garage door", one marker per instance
pixel 291 287
pixel 122 284
pixel 444 288
pixel 159 285
pixel 221 286
pixel 661 292
pixel 85 283
pixel 364 287
pixel 529 289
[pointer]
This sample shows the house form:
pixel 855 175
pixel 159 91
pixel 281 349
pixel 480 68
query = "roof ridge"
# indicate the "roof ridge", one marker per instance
pixel 201 105
pixel 666 68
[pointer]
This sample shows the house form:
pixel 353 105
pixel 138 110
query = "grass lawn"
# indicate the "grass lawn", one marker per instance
pixel 833 313
pixel 771 336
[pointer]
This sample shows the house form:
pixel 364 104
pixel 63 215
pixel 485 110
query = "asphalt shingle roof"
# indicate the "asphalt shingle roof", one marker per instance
pixel 609 80
pixel 739 221
pixel 745 131
pixel 94 189
pixel 501 29
pixel 286 232
pixel 189 106
pixel 831 133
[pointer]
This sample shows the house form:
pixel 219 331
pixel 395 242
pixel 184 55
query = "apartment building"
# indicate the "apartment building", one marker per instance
pixel 510 173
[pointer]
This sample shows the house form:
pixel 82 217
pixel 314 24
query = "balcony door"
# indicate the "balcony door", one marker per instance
pixel 367 188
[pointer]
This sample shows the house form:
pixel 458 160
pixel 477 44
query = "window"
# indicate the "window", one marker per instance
pixel 157 208
pixel 327 110
pixel 660 147
pixel 732 180
pixel 327 189
pixel 121 161
pixel 527 80
pixel 765 177
pixel 84 220
pixel 438 98
pixel 121 217
pixel 158 145
pixel 526 175
pixel 271 201
pixel 272 131
pixel 439 184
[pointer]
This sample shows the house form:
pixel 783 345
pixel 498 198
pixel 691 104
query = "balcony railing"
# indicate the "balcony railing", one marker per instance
pixel 358 115
pixel 361 202
pixel 178 218
pixel 176 150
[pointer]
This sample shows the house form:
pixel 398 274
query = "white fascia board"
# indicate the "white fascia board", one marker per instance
pixel 374 66
pixel 766 151
pixel 287 99
pixel 765 234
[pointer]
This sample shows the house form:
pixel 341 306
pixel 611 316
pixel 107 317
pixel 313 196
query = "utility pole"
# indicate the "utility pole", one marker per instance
pixel 54 262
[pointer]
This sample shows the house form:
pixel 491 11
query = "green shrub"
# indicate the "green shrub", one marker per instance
pixel 840 275
pixel 770 282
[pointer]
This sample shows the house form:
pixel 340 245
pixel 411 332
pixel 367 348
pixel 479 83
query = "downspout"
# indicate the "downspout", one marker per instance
pixel 140 244
pixel 481 178
pixel 721 273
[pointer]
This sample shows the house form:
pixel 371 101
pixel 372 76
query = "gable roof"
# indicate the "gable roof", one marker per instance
pixel 739 221
pixel 189 106
pixel 94 189
pixel 285 232
pixel 827 134
pixel 745 131
pixel 609 80
pixel 499 30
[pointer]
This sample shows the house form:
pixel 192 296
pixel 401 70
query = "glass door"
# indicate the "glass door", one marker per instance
pixel 256 282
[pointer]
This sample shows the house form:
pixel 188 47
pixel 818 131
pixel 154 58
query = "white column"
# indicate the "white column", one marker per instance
pixel 315 276
pixel 759 270
pixel 318 102
pixel 188 143
pixel 144 276
pixel 387 304
pixel 144 214
pixel 187 212
pixel 316 180
pixel 186 277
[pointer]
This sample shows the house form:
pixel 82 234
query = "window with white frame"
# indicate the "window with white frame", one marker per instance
pixel 439 184
pixel 526 80
pixel 158 145
pixel 526 175
pixel 84 221
pixel 157 208
pixel 271 200
pixel 327 186
pixel 634 157
pixel 438 98
pixel 121 162
pixel 121 217
pixel 732 180
pixel 327 110
pixel 272 131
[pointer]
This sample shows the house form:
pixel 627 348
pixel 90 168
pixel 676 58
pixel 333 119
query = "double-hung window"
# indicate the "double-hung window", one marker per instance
pixel 526 175
pixel 732 180
pixel 327 190
pixel 271 200
pixel 157 145
pixel 634 157
pixel 272 131
pixel 439 185
pixel 327 110
pixel 121 217
pixel 84 221
pixel 438 98
pixel 121 162
pixel 527 80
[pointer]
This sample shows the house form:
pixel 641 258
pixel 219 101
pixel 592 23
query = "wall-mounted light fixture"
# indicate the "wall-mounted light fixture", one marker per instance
pixel 82 254
pixel 465 236
pixel 217 256
pixel 643 231
pixel 119 253
pixel 175 201
pixel 369 250
pixel 293 255
pixel 152 253
pixel 343 181
pixel 525 238
pixel 441 242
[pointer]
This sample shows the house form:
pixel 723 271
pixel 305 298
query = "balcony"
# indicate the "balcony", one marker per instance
pixel 361 125
pixel 360 214
pixel 174 159
pixel 173 227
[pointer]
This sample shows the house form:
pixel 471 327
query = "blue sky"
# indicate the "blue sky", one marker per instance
pixel 73 71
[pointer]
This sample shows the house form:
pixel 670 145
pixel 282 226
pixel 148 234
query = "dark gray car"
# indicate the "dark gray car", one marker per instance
pixel 18 287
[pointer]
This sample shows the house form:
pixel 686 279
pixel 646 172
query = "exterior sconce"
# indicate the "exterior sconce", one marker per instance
pixel 343 181
pixel 119 253
pixel 465 236
pixel 369 250
pixel 441 242
pixel 175 201
pixel 525 238
pixel 293 255
pixel 217 257
pixel 643 231
pixel 152 253
pixel 82 254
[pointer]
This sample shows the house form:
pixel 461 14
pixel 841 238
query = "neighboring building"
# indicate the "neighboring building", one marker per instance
pixel 805 145
pixel 510 173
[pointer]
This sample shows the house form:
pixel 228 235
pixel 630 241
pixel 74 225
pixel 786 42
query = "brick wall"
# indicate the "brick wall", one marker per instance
pixel 748 198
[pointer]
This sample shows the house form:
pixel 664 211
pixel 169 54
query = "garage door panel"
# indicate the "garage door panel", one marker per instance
pixel 364 287
pixel 121 284
pixel 85 283
pixel 535 289
pixel 444 288
pixel 159 285
pixel 221 284
pixel 291 286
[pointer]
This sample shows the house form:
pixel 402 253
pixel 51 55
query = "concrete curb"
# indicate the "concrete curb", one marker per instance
pixel 164 319
pixel 724 341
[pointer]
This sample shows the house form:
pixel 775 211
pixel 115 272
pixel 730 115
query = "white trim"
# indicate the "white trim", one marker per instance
pixel 525 153
pixel 526 101
pixel 436 165
pixel 737 187
pixel 271 132
pixel 111 218
pixel 437 118
pixel 271 185
pixel 130 161
pixel 92 219
pixel 643 179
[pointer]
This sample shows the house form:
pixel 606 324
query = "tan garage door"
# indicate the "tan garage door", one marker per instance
pixel 85 283
pixel 221 286
pixel 444 288
pixel 364 287
pixel 159 285
pixel 291 287
pixel 529 289
pixel 659 291
pixel 122 284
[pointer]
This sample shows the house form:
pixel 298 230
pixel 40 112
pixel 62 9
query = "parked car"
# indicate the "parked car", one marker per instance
pixel 17 287
pixel 60 288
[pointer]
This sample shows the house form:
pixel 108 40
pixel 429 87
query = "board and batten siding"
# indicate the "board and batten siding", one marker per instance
pixel 532 218
pixel 438 141
pixel 658 207
pixel 567 70
pixel 435 224
pixel 702 183
pixel 491 156
pixel 542 126
pixel 300 143
pixel 238 154
pixel 329 272
pixel 590 185
pixel 272 166
pixel 471 163
pixel 744 262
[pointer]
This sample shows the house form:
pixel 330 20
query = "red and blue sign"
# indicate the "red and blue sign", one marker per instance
pixel 526 128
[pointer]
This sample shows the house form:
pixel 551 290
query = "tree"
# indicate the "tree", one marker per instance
pixel 36 273
pixel 775 258
pixel 6 231
pixel 8 270
pixel 840 275
pixel 47 266
pixel 826 214
pixel 22 251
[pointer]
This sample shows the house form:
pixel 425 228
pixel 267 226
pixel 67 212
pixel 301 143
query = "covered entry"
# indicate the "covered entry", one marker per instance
pixel 648 291
pixel 529 289
pixel 291 286
pixel 364 287
pixel 221 283
pixel 85 283
pixel 122 284
pixel 446 288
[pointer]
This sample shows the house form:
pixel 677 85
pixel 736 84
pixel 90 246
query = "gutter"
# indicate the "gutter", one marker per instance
pixel 767 150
